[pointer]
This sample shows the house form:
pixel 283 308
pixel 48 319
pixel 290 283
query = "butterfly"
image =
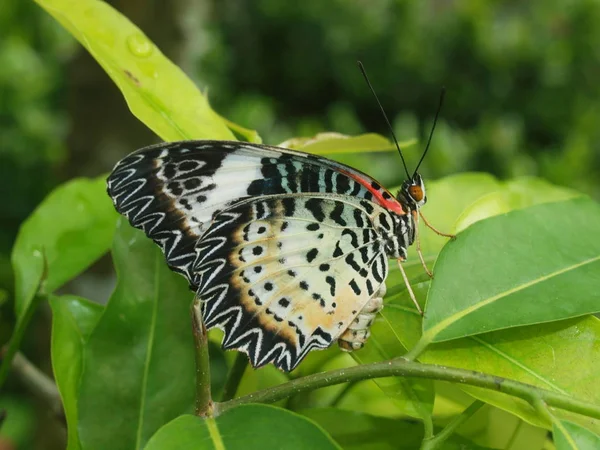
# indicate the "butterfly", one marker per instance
pixel 287 251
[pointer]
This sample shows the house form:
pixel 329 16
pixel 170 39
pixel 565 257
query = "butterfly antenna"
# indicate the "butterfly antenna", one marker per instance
pixel 437 113
pixel 364 72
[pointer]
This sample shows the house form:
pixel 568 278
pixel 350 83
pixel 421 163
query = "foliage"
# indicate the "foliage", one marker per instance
pixel 513 296
pixel 522 92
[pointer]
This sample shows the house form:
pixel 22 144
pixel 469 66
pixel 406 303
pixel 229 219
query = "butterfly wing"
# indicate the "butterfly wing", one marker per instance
pixel 172 191
pixel 284 274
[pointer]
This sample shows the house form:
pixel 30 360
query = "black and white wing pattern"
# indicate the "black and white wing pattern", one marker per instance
pixel 283 248
pixel 171 191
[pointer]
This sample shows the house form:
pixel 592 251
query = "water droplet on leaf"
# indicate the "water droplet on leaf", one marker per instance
pixel 140 45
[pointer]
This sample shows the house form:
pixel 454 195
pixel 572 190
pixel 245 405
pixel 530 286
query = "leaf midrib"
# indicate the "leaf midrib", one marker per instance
pixel 150 346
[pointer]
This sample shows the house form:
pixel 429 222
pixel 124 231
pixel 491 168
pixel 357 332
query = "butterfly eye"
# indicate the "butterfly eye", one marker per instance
pixel 416 193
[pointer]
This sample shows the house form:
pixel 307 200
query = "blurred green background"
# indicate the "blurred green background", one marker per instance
pixel 521 78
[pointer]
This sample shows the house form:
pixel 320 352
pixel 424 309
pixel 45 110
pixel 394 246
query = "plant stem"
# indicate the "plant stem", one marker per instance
pixel 38 383
pixel 438 440
pixel 542 409
pixel 234 377
pixel 204 403
pixel 401 367
pixel 8 352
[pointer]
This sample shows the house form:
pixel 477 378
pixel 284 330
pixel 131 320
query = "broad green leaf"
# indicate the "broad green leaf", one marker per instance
pixel 570 436
pixel 246 427
pixel 529 266
pixel 70 229
pixel 138 371
pixel 157 92
pixel 356 430
pixel 543 355
pixel 332 143
pixel 73 320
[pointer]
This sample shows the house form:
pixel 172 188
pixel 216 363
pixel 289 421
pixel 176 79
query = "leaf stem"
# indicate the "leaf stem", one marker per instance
pixel 204 403
pixel 438 440
pixel 418 349
pixel 234 377
pixel 8 352
pixel 409 369
pixel 338 398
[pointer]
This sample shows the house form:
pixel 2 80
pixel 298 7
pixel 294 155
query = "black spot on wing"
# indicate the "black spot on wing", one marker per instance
pixel 311 255
pixel 331 282
pixel 355 287
pixel 315 206
pixel 336 214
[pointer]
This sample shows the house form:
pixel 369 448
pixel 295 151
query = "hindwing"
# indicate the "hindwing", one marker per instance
pixel 285 274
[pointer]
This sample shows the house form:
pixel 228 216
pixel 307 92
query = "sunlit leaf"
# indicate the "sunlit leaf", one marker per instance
pixel 332 143
pixel 157 91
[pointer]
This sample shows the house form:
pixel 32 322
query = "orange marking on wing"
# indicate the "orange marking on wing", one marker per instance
pixel 392 204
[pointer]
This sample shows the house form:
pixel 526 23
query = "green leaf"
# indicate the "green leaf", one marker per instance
pixel 570 436
pixel 529 266
pixel 356 430
pixel 246 427
pixel 331 143
pixel 157 91
pixel 73 320
pixel 70 229
pixel 139 370
pixel 543 355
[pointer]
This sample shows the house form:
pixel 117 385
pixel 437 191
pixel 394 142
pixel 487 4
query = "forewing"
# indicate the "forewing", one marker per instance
pixel 285 274
pixel 172 191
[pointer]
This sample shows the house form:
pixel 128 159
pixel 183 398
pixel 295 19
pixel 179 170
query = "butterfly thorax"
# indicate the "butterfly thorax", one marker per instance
pixel 398 231
pixel 411 197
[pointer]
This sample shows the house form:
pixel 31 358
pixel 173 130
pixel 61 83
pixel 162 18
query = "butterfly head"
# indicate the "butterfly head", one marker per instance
pixel 412 193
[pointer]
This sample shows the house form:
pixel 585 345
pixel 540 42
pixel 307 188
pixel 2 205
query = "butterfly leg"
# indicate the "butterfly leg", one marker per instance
pixel 435 230
pixel 407 283
pixel 358 331
pixel 419 252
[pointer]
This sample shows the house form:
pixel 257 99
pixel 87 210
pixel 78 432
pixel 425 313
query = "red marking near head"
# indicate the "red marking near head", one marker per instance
pixel 391 203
